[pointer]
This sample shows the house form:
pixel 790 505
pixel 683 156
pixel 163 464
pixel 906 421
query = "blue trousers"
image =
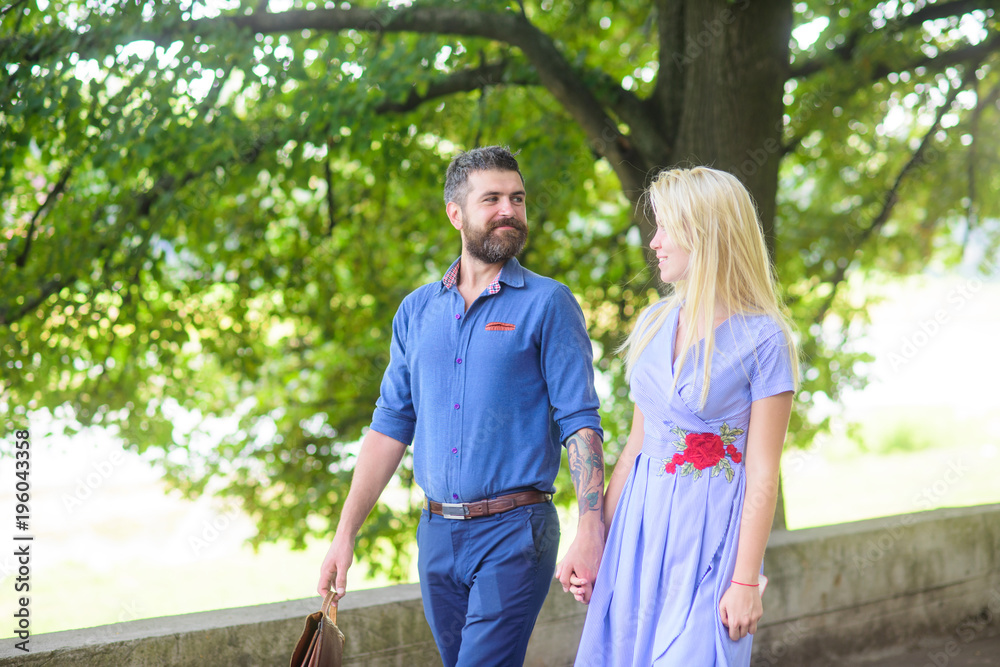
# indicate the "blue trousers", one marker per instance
pixel 484 580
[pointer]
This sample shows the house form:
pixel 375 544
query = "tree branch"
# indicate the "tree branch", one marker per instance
pixel 974 53
pixel 943 10
pixel 559 78
pixel 508 27
pixel 60 186
pixel 554 72
pixel 11 7
pixel 142 204
pixel 420 20
pixel 331 208
pixel 971 54
pixel 846 52
pixel 646 127
pixel 48 289
pixel 891 197
pixel 461 81
pixel 972 210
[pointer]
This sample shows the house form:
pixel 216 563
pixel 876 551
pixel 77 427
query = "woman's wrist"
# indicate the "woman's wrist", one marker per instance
pixel 740 583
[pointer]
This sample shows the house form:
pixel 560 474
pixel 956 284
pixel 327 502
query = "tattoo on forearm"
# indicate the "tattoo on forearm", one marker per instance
pixel 586 467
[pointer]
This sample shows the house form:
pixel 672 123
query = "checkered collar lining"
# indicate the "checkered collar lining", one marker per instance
pixel 451 278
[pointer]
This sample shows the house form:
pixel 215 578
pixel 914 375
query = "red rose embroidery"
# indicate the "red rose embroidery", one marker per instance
pixel 698 452
pixel 704 450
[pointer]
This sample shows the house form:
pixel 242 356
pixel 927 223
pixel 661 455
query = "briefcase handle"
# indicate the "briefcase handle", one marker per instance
pixel 330 607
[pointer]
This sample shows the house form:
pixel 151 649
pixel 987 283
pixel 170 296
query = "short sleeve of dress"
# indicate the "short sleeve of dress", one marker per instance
pixel 773 370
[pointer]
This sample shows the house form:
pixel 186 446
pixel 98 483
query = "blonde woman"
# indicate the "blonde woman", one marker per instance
pixel 712 370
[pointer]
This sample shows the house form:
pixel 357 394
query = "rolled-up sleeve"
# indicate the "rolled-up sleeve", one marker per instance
pixel 394 414
pixel 567 362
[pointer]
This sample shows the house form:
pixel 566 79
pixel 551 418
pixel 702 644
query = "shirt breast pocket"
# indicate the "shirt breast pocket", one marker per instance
pixel 504 350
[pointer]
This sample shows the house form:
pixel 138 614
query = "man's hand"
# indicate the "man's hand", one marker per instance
pixel 378 459
pixel 578 570
pixel 333 571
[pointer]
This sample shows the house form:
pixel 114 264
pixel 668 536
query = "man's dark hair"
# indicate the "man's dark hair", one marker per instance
pixel 497 158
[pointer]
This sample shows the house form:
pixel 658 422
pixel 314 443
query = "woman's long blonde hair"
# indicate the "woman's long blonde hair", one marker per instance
pixel 711 216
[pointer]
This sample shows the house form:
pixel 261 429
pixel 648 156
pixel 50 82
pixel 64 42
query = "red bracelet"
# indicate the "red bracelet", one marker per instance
pixel 742 584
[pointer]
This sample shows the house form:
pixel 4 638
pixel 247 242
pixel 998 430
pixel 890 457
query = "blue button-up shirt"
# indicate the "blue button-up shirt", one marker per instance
pixel 487 396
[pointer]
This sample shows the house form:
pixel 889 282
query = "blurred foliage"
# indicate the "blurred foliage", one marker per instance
pixel 220 223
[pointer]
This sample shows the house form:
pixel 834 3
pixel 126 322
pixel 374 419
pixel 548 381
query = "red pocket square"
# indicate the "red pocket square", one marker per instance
pixel 499 326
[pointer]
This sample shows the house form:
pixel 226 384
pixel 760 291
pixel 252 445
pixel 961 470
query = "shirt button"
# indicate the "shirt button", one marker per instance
pixel 458 361
pixel 456 406
pixel 454 450
pixel 458 316
pixel 455 496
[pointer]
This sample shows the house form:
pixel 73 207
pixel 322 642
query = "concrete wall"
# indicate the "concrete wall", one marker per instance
pixel 932 578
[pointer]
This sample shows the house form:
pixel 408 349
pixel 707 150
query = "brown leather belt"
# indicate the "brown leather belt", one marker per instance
pixel 487 507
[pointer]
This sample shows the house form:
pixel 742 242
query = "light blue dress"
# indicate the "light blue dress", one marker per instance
pixel 671 550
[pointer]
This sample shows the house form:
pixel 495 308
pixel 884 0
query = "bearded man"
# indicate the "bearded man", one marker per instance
pixel 490 374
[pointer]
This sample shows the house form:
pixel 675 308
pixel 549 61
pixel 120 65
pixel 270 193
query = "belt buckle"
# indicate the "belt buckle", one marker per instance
pixel 454 510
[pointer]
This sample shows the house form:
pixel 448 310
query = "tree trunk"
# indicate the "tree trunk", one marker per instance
pixel 730 60
pixel 732 69
pixel 779 509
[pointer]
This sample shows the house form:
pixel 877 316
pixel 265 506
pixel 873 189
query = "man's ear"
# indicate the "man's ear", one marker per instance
pixel 454 215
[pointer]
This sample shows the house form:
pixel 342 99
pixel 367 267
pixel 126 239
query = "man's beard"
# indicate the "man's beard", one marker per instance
pixel 493 248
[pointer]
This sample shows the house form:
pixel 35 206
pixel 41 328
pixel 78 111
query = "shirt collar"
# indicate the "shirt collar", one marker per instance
pixel 511 274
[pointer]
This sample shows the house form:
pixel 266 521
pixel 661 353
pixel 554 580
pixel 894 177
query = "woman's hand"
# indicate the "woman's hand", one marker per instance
pixel 581 589
pixel 740 609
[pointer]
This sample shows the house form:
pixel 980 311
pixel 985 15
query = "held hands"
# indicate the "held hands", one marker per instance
pixel 581 589
pixel 578 570
pixel 741 608
pixel 333 571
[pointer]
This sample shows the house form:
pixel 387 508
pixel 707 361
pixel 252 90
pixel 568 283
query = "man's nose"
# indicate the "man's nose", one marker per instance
pixel 506 207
